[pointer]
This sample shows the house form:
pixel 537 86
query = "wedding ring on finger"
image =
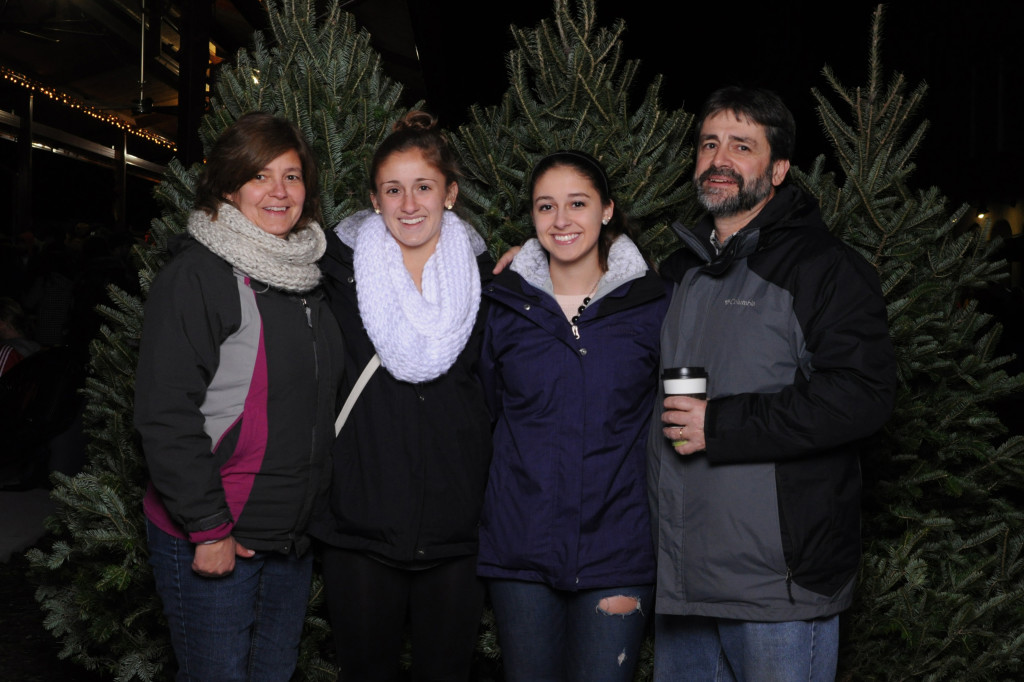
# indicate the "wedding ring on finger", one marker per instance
pixel 681 440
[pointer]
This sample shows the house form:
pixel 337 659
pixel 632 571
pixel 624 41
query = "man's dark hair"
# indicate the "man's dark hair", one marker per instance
pixel 761 106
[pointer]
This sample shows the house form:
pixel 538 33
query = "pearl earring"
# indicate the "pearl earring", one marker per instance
pixel 605 221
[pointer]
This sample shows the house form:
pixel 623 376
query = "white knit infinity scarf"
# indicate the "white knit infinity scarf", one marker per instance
pixel 418 336
pixel 288 264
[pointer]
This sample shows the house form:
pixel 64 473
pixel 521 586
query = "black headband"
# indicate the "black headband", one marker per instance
pixel 580 156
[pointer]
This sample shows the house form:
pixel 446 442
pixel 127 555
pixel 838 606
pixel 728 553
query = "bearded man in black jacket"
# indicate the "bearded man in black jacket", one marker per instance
pixel 755 491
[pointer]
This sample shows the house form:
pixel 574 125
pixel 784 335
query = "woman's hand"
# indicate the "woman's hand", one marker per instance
pixel 506 259
pixel 217 559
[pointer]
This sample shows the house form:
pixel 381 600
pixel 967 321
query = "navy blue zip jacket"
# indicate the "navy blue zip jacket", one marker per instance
pixel 566 501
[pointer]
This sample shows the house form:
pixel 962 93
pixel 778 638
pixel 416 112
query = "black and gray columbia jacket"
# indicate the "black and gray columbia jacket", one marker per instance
pixel 790 324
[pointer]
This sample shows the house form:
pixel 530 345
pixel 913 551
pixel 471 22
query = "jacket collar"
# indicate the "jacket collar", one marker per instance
pixel 337 260
pixel 790 207
pixel 628 291
pixel 625 264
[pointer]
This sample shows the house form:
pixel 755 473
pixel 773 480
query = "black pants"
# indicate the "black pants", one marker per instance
pixel 370 603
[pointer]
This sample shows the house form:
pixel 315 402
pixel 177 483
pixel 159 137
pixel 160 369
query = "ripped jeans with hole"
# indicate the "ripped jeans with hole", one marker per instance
pixel 549 635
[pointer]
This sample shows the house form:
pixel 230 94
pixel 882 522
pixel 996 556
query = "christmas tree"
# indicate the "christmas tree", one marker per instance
pixel 569 89
pixel 941 580
pixel 96 588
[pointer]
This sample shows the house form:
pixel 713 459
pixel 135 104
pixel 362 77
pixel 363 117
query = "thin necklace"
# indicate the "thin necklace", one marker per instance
pixel 586 301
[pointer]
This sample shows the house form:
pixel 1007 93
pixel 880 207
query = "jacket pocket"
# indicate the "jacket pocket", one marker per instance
pixel 732 546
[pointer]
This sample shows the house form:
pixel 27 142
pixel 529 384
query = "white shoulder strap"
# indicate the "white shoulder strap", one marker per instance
pixel 353 395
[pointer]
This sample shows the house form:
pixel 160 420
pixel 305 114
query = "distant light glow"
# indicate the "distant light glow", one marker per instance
pixel 74 103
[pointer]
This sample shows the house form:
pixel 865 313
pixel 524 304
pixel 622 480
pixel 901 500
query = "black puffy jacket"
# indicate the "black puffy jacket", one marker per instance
pixel 411 464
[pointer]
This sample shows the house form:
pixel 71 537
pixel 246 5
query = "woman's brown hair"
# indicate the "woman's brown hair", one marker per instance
pixel 244 149
pixel 590 168
pixel 417 130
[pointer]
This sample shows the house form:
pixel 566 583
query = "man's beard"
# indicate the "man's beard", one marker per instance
pixel 720 205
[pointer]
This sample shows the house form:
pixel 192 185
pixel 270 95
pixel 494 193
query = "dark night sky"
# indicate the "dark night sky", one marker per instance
pixel 967 52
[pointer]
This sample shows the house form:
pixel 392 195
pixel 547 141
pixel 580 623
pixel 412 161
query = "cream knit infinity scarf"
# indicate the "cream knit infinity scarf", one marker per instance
pixel 418 336
pixel 288 264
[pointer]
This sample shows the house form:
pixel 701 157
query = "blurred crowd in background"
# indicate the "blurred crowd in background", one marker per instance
pixel 50 285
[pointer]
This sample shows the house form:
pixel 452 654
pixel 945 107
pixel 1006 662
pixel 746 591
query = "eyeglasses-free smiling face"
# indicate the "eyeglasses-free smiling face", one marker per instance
pixel 411 197
pixel 734 172
pixel 567 214
pixel 274 198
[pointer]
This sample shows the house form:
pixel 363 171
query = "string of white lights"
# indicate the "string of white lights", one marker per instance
pixel 78 105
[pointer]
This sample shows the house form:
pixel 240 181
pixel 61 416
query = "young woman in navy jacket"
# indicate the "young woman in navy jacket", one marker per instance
pixel 569 363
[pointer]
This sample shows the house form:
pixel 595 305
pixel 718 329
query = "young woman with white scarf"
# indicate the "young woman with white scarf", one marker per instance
pixel 399 530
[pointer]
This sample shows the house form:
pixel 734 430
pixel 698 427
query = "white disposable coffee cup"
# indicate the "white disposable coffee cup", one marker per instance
pixel 688 381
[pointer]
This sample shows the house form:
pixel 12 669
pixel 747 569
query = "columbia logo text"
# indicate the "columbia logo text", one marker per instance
pixel 740 301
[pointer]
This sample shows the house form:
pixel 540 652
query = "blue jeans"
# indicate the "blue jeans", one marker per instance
pixel 721 650
pixel 245 626
pixel 550 635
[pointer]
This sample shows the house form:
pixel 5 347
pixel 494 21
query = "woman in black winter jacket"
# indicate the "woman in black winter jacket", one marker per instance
pixel 399 530
pixel 235 397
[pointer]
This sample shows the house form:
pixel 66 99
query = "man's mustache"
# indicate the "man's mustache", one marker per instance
pixel 726 172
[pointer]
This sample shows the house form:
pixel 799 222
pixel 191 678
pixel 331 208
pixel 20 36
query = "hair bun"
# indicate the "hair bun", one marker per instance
pixel 417 130
pixel 415 119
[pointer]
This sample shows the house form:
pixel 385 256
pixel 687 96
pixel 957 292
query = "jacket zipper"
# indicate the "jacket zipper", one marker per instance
pixel 691 243
pixel 304 509
pixel 309 321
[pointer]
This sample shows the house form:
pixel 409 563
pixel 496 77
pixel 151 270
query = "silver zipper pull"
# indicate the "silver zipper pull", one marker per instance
pixel 309 313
